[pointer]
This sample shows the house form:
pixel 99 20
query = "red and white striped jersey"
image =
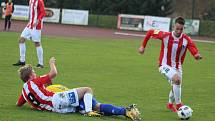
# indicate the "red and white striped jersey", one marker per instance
pixel 36 94
pixel 173 49
pixel 36 13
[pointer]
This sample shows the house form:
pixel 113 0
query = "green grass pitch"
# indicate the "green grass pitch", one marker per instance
pixel 116 72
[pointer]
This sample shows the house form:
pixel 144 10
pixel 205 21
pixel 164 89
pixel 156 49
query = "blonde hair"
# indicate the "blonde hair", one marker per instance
pixel 25 72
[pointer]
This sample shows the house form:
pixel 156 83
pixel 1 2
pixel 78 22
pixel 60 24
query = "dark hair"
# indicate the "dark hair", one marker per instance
pixel 180 20
pixel 25 72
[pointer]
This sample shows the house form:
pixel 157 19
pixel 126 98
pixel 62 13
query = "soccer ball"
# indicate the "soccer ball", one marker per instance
pixel 184 112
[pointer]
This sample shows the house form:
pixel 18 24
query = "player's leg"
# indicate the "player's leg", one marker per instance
pixel 22 47
pixel 95 106
pixel 171 96
pixel 68 101
pixel 39 50
pixel 5 22
pixel 169 73
pixel 9 22
pixel 108 109
pixel 171 101
pixel 36 38
pixel 176 85
pixel 78 98
pixel 130 112
pixel 86 94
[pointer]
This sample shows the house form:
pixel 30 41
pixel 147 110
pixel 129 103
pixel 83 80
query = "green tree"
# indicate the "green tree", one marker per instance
pixel 71 4
pixel 51 3
pixel 19 2
pixel 142 7
pixel 209 14
pixel 157 7
pixel 114 7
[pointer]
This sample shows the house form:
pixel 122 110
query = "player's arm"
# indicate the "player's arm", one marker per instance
pixel 12 8
pixel 151 33
pixel 21 101
pixel 41 11
pixel 47 79
pixel 53 69
pixel 193 49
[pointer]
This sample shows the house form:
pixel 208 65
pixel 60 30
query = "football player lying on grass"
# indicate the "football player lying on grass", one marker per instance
pixel 64 100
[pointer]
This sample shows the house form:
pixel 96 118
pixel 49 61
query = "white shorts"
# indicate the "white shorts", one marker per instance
pixel 31 34
pixel 169 72
pixel 65 102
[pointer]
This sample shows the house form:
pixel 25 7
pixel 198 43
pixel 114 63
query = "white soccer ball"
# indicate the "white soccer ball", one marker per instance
pixel 185 112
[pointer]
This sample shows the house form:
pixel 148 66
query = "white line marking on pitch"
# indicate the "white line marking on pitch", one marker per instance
pixel 140 35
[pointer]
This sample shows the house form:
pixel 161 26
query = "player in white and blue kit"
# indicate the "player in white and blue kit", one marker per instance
pixel 105 109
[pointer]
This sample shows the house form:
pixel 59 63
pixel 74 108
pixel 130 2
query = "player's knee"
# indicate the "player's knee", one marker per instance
pixel 88 90
pixel 37 44
pixel 21 40
pixel 176 80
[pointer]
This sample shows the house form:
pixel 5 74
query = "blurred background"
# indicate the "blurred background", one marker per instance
pixel 105 13
pixel 188 8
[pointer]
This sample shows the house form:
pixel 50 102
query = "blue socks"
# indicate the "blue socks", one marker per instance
pixel 109 109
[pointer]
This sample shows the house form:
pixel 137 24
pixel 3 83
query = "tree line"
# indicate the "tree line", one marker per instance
pixel 113 7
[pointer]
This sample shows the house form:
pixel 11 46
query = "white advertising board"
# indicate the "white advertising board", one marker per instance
pixel 21 12
pixel 158 23
pixel 77 17
pixel 52 15
pixel 130 22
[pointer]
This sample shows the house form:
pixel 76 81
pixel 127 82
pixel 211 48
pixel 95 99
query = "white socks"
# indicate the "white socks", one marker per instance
pixel 88 97
pixel 22 50
pixel 177 93
pixel 40 54
pixel 171 97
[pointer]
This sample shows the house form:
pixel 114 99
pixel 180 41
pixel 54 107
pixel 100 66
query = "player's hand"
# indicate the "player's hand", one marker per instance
pixel 141 50
pixel 35 24
pixel 52 60
pixel 53 69
pixel 198 57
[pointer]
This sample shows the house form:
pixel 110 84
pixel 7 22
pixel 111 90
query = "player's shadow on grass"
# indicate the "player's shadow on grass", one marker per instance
pixel 113 118
pixel 27 109
pixel 171 116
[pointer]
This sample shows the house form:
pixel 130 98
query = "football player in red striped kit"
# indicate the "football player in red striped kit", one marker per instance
pixel 33 32
pixel 174 46
pixel 81 99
